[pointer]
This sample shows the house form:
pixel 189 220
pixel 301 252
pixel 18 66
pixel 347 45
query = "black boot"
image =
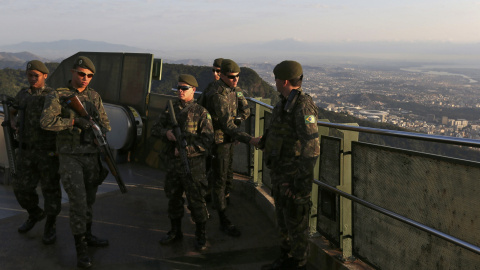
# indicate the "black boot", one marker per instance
pixel 33 218
pixel 200 237
pixel 226 225
pixel 92 240
pixel 278 263
pixel 50 232
pixel 174 234
pixel 83 260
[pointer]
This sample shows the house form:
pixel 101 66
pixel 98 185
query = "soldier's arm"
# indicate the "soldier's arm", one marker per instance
pixel 307 131
pixel 204 137
pixel 104 121
pixel 160 126
pixel 225 119
pixel 50 118
pixel 243 109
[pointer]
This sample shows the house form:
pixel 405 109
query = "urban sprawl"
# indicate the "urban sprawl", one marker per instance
pixel 347 90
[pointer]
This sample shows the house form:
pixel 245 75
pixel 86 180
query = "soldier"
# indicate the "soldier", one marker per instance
pixel 291 148
pixel 81 170
pixel 196 126
pixel 217 64
pixel 228 107
pixel 202 100
pixel 36 159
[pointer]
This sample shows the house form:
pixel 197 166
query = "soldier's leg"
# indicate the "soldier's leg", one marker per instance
pixel 296 218
pixel 194 191
pixel 174 192
pixel 92 178
pixel 52 194
pixel 219 171
pixel 278 193
pixel 209 188
pixel 71 175
pixel 50 184
pixel 220 167
pixel 229 180
pixel 24 187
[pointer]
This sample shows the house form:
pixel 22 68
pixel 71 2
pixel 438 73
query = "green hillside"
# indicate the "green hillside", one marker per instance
pixel 249 81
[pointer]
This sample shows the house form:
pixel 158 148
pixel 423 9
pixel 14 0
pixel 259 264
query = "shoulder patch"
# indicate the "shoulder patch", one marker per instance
pixel 209 117
pixel 239 94
pixel 310 119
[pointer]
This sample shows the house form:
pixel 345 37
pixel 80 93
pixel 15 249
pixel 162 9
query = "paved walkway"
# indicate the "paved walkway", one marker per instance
pixel 133 223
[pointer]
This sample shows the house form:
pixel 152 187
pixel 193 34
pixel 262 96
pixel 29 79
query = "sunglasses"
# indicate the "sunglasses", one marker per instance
pixel 83 74
pixel 216 70
pixel 183 87
pixel 232 77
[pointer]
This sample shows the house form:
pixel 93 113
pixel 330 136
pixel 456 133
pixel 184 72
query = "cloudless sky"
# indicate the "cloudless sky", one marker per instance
pixel 187 24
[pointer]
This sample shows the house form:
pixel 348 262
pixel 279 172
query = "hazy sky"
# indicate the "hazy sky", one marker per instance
pixel 189 23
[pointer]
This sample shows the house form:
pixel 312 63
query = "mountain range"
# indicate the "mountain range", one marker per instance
pixel 273 51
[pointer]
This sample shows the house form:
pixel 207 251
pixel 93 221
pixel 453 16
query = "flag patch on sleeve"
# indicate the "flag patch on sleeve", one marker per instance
pixel 310 119
pixel 239 94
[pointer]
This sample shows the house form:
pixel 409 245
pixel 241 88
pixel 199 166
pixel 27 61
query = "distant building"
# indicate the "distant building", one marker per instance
pixel 460 123
pixel 375 115
pixel 444 120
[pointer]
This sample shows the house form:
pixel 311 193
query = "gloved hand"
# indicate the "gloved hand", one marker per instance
pixel 82 123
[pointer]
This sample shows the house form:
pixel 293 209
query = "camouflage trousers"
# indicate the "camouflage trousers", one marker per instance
pixel 222 173
pixel 177 183
pixel 80 176
pixel 35 166
pixel 292 218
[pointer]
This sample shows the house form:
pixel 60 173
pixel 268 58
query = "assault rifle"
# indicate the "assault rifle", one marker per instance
pixel 8 132
pixel 75 104
pixel 180 142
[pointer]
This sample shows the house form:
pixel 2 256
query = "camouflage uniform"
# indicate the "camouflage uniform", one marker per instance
pixel 80 166
pixel 196 125
pixel 36 159
pixel 224 104
pixel 291 146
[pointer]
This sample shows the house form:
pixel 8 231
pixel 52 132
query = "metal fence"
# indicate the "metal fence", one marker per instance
pixel 393 208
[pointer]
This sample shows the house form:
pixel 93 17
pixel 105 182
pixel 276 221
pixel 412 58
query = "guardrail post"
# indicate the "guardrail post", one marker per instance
pixel 322 131
pixel 258 154
pixel 346 220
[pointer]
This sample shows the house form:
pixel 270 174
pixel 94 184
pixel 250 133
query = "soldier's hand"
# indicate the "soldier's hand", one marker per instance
pixel 170 135
pixel 255 141
pixel 82 123
pixel 177 153
pixel 289 193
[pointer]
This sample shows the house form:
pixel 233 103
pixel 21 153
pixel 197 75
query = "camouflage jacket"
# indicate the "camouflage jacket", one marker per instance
pixel 291 144
pixel 224 104
pixel 30 105
pixel 57 116
pixel 195 124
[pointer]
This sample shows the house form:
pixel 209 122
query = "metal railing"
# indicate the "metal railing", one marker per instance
pixel 261 108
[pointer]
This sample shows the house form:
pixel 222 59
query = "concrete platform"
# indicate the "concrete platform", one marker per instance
pixel 133 223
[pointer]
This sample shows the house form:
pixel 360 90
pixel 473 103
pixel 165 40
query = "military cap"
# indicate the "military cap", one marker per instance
pixel 37 65
pixel 229 66
pixel 84 62
pixel 188 79
pixel 217 62
pixel 288 70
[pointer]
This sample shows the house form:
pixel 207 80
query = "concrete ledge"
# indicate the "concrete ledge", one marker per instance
pixel 322 254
